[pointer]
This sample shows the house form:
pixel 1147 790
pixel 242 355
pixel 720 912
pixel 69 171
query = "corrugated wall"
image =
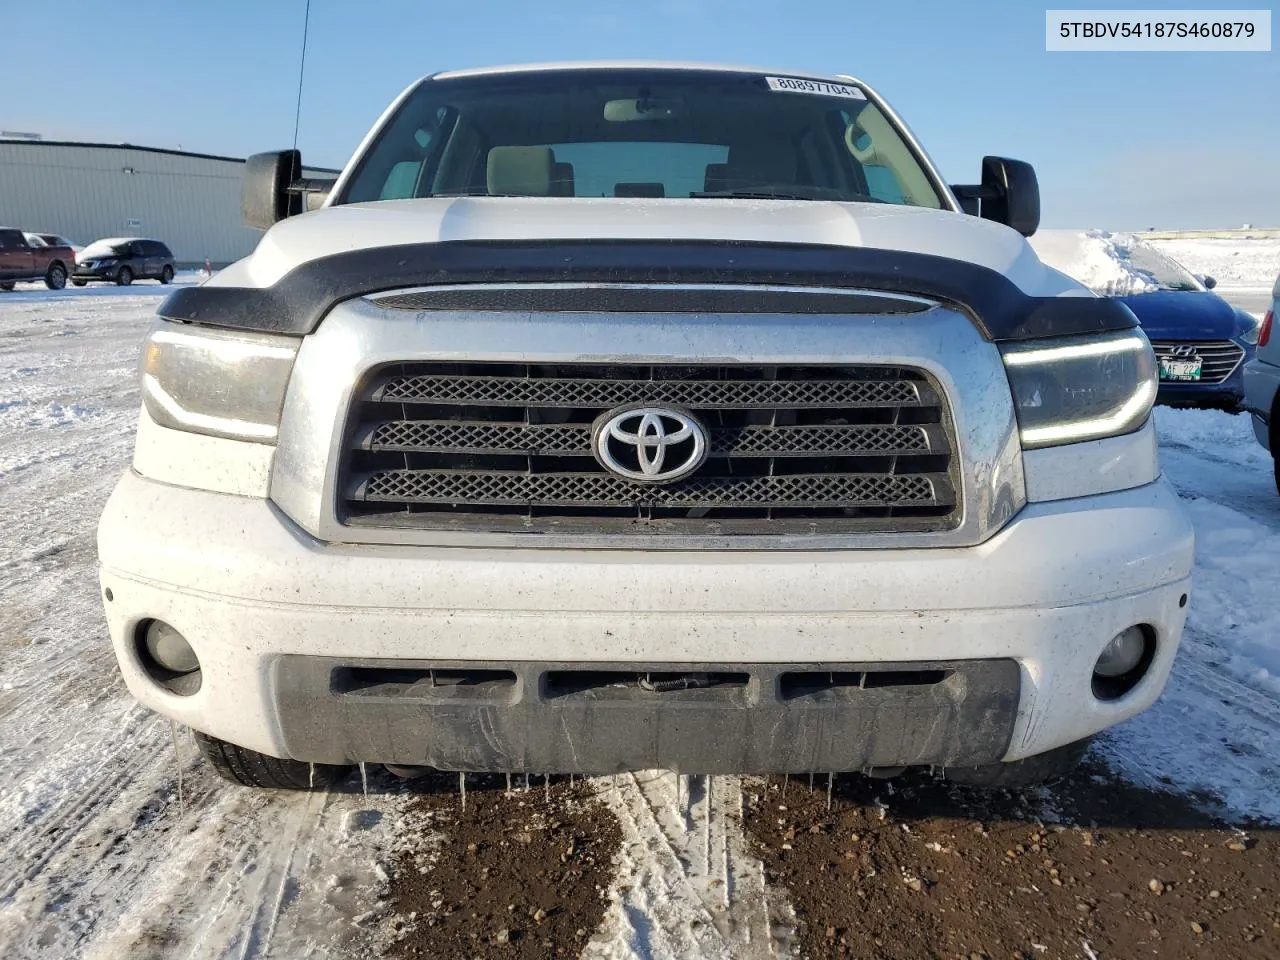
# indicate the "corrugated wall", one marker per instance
pixel 86 192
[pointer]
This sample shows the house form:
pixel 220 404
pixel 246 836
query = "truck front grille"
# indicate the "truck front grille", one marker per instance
pixel 508 448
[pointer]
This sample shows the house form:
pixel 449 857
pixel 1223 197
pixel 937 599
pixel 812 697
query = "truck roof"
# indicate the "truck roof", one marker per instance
pixel 636 65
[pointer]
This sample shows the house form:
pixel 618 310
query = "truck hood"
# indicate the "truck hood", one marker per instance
pixel 885 226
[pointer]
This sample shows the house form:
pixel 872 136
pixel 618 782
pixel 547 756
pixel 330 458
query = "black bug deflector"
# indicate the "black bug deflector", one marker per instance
pixel 610 717
pixel 300 299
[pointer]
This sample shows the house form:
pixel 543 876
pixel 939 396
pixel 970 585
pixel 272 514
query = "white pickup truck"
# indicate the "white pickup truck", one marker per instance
pixel 614 416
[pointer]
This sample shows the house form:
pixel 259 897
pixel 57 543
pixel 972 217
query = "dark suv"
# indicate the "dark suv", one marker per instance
pixel 122 260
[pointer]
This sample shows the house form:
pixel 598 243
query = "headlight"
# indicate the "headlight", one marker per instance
pixel 1249 328
pixel 218 383
pixel 1070 389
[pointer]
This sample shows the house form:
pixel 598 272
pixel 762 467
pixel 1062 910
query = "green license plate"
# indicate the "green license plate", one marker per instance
pixel 1178 369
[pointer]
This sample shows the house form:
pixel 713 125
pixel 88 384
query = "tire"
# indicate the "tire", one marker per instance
pixel 1275 439
pixel 124 277
pixel 7 286
pixel 78 283
pixel 56 278
pixel 166 275
pixel 248 768
pixel 1022 774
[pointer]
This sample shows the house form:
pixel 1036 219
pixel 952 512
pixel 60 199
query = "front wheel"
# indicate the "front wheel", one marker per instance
pixel 7 286
pixel 56 278
pixel 252 769
pixel 1276 461
pixel 166 275
pixel 78 283
pixel 1022 774
pixel 124 277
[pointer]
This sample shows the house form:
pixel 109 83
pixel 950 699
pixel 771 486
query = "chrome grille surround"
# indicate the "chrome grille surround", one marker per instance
pixel 935 348
pixel 1220 358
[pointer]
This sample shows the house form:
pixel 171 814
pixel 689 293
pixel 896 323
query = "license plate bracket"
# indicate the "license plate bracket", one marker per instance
pixel 1181 368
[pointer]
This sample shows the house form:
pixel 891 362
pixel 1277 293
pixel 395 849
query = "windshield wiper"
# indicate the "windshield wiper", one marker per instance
pixel 767 194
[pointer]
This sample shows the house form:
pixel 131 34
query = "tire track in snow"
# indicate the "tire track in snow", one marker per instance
pixel 82 793
pixel 687 885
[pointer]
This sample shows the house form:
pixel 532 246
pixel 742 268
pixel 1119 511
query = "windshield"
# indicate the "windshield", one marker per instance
pixel 104 248
pixel 640 133
pixel 1167 274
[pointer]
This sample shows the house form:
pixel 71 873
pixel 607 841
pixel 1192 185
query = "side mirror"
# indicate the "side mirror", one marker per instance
pixel 265 195
pixel 1009 194
pixel 1209 282
pixel 273 188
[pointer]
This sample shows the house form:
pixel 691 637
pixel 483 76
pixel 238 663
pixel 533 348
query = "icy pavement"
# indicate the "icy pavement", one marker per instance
pixel 103 858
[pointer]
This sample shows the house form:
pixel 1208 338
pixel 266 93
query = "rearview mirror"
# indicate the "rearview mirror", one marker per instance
pixel 1209 282
pixel 1009 194
pixel 645 108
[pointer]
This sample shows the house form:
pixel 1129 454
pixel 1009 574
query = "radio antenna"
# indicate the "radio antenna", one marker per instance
pixel 302 66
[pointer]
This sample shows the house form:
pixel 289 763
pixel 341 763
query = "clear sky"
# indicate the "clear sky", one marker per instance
pixel 1120 140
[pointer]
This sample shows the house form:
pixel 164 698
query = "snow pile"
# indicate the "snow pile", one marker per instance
pixel 1097 258
pixel 1221 436
pixel 1241 264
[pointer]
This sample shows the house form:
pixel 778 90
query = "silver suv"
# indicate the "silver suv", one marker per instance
pixel 1262 383
pixel 606 417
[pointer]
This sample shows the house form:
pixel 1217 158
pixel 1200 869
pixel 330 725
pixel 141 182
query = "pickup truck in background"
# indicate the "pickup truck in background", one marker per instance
pixel 21 260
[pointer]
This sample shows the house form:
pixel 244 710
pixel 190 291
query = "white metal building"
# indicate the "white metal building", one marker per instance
pixel 87 191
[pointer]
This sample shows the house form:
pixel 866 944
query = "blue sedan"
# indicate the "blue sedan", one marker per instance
pixel 1201 341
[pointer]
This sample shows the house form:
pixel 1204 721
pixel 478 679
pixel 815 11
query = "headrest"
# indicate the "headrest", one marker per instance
pixel 402 181
pixel 762 163
pixel 717 174
pixel 520 171
pixel 639 190
pixel 562 180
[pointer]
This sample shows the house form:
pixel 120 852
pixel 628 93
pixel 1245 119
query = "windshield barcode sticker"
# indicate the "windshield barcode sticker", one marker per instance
pixel 820 87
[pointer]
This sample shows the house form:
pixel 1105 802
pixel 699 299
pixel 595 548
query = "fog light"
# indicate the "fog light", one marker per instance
pixel 1123 663
pixel 169 649
pixel 167 658
pixel 1122 654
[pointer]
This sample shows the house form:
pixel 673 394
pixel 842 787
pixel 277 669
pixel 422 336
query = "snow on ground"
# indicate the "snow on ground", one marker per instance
pixel 1238 264
pixel 688 885
pixel 104 853
pixel 1224 475
pixel 119 842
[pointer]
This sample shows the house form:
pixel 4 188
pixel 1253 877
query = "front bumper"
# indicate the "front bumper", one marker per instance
pixel 1228 395
pixel 277 617
pixel 1261 385
pixel 97 273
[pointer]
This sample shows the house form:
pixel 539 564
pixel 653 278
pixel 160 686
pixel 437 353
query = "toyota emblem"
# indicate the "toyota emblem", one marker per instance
pixel 649 444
